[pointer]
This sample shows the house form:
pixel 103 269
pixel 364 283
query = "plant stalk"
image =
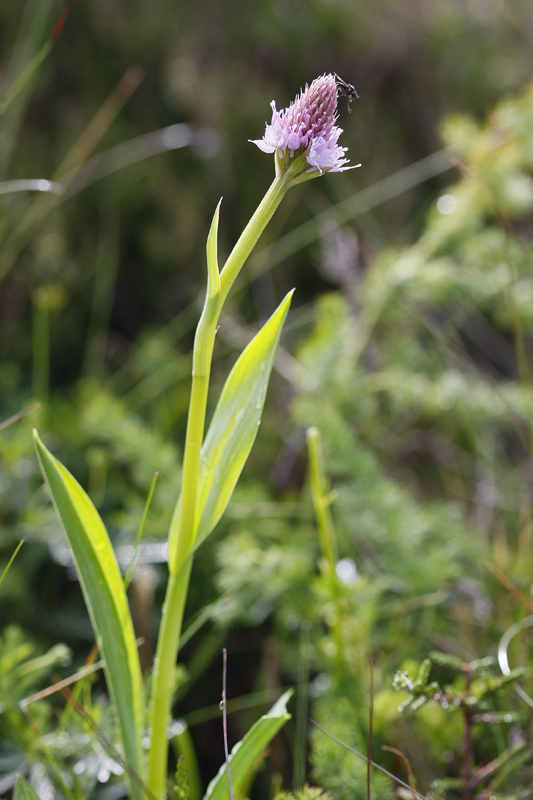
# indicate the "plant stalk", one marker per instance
pixel 321 500
pixel 173 608
pixel 163 685
pixel 41 349
pixel 253 231
pixel 327 537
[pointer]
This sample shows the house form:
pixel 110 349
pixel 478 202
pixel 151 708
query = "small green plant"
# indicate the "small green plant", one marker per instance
pixel 474 694
pixel 387 375
pixel 182 789
pixel 307 793
pixel 304 140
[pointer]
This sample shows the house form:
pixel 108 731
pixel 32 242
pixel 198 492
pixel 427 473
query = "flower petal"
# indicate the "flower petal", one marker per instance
pixel 262 145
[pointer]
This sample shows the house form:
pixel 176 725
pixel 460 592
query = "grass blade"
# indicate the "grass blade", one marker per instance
pixel 4 573
pixel 40 207
pixel 24 78
pixel 36 19
pixel 131 566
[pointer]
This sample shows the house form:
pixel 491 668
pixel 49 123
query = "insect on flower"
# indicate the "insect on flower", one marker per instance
pixel 345 90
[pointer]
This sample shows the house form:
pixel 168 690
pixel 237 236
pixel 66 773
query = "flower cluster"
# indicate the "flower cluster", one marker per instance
pixel 308 127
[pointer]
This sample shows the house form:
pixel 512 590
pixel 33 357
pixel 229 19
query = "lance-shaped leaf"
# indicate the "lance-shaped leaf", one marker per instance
pixel 23 790
pixel 236 420
pixel 233 428
pixel 106 601
pixel 246 753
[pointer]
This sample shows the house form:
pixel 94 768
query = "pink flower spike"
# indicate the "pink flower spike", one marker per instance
pixel 307 127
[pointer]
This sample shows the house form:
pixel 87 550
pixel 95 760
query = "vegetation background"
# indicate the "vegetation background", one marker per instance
pixel 408 345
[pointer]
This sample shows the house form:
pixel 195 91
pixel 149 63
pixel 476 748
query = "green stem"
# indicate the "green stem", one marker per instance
pixel 186 514
pixel 321 501
pixel 191 464
pixel 326 535
pixel 177 587
pixel 253 231
pixel 163 685
pixel 41 350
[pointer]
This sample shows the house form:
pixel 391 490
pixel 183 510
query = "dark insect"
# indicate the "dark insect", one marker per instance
pixel 345 90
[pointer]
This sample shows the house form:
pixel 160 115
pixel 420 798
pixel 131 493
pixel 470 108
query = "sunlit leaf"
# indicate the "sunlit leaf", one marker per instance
pixel 236 419
pixel 233 428
pixel 106 600
pixel 246 753
pixel 23 790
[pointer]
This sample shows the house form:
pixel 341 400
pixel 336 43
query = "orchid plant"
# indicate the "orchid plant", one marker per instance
pixel 304 140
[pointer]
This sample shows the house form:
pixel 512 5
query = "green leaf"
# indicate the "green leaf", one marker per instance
pixel 106 601
pixel 213 276
pixel 246 753
pixel 233 429
pixel 205 333
pixel 236 420
pixel 23 790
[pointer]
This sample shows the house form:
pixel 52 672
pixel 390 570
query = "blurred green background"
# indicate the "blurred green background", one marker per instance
pixel 408 342
pixel 218 65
